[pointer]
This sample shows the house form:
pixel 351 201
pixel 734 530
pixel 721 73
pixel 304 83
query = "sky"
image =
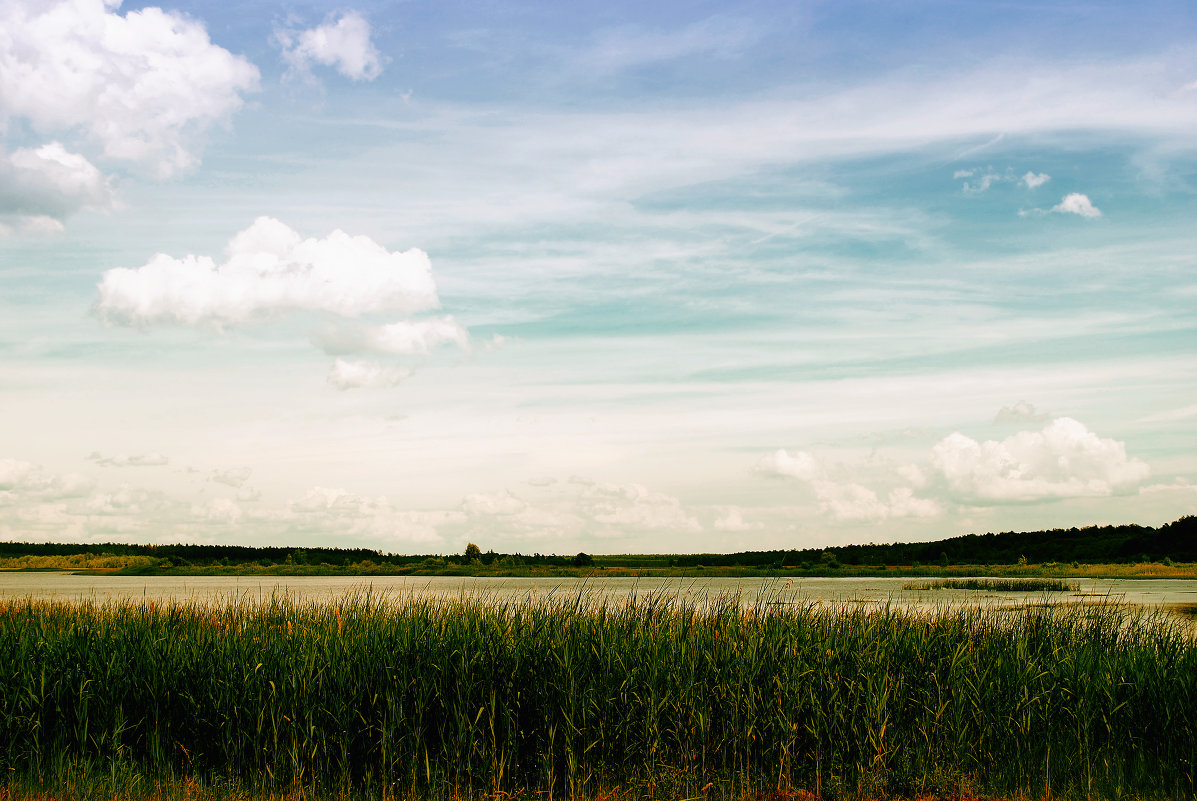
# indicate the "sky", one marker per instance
pixel 615 277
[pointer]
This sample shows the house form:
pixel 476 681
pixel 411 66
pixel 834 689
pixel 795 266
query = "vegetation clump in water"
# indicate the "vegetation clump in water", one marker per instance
pixel 652 697
pixel 997 585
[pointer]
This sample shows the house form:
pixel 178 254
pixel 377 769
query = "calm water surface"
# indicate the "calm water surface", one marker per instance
pixel 1169 594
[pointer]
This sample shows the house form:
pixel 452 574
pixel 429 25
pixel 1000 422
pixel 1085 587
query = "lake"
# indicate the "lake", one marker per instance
pixel 1167 594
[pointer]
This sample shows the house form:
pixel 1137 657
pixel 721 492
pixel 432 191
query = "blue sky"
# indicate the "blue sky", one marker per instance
pixel 551 277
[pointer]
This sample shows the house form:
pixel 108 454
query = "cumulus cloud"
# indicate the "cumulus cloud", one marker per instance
pixel 347 374
pixel 848 500
pixel 581 509
pixel 1076 203
pixel 248 494
pixel 498 503
pixel 153 459
pixel 1021 412
pixel 731 519
pixel 336 511
pixel 341 43
pixel 1064 460
pixel 780 464
pixel 269 269
pixel 48 183
pixel 632 506
pixel 852 502
pixel 403 338
pixel 144 85
pixel 125 501
pixel 20 481
pixel 1033 180
pixel 217 510
pixel 232 477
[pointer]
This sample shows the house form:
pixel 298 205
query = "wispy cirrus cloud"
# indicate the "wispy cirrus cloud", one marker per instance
pixel 617 49
pixel 152 459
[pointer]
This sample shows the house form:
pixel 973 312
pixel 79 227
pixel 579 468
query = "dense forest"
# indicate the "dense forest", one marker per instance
pixel 1123 544
pixel 1176 541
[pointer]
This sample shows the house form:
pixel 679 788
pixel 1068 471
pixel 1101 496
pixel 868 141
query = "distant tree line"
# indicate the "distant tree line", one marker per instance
pixel 212 555
pixel 1091 545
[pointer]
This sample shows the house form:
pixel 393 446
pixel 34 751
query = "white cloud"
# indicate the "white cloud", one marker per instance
pixel 404 338
pixel 417 337
pixel 1034 180
pixel 270 269
pixel 1064 460
pixel 781 464
pixel 144 85
pixel 125 501
pixel 346 374
pixel 343 44
pixel 914 475
pixel 982 182
pixel 36 225
pixel 634 507
pixel 849 501
pixel 1021 412
pixel 217 510
pixel 232 477
pixel 1076 203
pixel 903 503
pixel 1178 485
pixel 580 509
pixel 49 183
pixel 527 165
pixel 153 459
pixel 624 48
pixel 731 519
pixel 488 504
pixel 22 481
pixel 338 512
pixel 1182 413
pixel 248 494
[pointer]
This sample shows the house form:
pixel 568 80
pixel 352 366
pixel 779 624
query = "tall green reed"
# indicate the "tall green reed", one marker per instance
pixel 423 698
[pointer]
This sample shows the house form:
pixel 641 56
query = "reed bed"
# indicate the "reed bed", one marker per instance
pixel 652 697
pixel 997 585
